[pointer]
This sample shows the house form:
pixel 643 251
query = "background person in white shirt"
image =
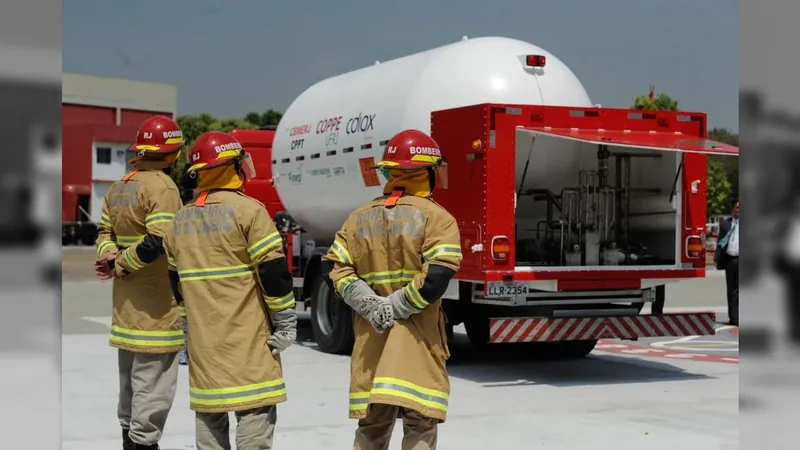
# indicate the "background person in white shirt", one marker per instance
pixel 726 258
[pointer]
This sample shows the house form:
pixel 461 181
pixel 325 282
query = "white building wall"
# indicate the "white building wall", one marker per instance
pixel 118 93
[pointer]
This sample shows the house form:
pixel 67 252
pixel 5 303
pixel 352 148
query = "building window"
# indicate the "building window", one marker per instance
pixel 103 155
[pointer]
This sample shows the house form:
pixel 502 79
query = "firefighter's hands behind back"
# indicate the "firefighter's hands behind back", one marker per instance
pixel 106 269
pixel 401 307
pixel 102 268
pixel 285 329
pixel 377 310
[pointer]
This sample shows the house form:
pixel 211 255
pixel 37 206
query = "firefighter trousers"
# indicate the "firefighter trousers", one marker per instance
pixel 375 431
pixel 147 384
pixel 255 429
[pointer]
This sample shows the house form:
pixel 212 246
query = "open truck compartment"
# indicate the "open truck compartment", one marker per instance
pixel 547 188
pixel 582 204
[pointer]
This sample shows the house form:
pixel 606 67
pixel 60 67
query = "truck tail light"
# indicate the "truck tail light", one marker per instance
pixel 501 247
pixel 694 246
pixel 535 60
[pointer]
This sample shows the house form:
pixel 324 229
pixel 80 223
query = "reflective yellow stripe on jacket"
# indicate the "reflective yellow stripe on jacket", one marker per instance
pixel 264 245
pixel 280 303
pixel 216 273
pixel 132 259
pixel 395 387
pixel 412 293
pixel 143 338
pixel 375 278
pixel 127 241
pixel 237 395
pixel 341 253
pixel 103 246
pixel 156 218
pixel 105 220
pixel 438 251
pixel 389 276
pixel 342 284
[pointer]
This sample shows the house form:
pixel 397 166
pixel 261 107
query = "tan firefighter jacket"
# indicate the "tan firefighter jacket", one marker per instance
pixel 145 315
pixel 392 249
pixel 216 244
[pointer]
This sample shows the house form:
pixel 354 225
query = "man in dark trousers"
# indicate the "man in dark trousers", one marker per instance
pixel 787 263
pixel 726 257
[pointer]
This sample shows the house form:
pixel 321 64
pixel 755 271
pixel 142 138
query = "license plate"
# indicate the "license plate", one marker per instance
pixel 506 289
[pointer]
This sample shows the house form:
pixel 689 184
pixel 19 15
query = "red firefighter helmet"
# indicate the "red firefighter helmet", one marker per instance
pixel 216 148
pixel 158 135
pixel 410 150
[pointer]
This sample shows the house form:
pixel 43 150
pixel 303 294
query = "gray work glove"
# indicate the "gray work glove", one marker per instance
pixel 377 310
pixel 284 331
pixel 401 307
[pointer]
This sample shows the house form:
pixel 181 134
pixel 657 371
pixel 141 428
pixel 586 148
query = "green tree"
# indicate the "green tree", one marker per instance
pixel 194 125
pixel 267 118
pixel 254 118
pixel 271 117
pixel 723 135
pixel 722 172
pixel 719 188
pixel 661 102
pixel 228 125
pixel 729 163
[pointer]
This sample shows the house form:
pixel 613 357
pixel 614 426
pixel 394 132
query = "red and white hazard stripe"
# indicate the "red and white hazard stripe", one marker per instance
pixel 542 329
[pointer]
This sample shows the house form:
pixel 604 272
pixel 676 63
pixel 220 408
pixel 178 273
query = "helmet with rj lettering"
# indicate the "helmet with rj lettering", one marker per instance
pixel 158 135
pixel 215 149
pixel 410 150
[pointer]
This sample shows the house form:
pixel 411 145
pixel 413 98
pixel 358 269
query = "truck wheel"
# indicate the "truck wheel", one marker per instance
pixel 563 350
pixel 331 320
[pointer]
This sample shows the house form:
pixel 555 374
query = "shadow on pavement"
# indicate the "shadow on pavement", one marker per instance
pixel 517 365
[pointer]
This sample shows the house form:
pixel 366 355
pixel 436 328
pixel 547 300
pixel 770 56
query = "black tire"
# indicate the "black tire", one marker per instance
pixel 331 320
pixel 562 350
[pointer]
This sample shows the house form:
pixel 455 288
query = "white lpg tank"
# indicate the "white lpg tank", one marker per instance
pixel 341 120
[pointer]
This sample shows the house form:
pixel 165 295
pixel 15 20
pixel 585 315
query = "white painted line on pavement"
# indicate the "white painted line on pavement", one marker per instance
pixel 663 344
pixel 712 347
pixel 689 309
pixel 87 282
pixel 102 320
pixel 637 350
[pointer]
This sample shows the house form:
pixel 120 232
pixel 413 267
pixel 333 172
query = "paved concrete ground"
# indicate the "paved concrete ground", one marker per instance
pixel 500 398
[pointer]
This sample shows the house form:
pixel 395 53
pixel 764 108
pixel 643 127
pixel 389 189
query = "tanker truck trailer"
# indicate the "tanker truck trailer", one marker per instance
pixel 572 216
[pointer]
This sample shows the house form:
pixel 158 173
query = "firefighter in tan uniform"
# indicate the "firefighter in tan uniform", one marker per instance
pixel 237 290
pixel 406 248
pixel 137 211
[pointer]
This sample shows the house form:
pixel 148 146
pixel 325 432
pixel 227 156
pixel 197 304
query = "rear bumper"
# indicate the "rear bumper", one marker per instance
pixel 543 329
pixel 585 279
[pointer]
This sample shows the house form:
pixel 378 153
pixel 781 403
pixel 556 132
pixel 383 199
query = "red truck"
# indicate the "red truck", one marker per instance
pixel 572 216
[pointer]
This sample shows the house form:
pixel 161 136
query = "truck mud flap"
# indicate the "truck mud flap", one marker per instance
pixel 543 329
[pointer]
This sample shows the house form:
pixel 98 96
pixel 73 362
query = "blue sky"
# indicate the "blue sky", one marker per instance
pixel 230 57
